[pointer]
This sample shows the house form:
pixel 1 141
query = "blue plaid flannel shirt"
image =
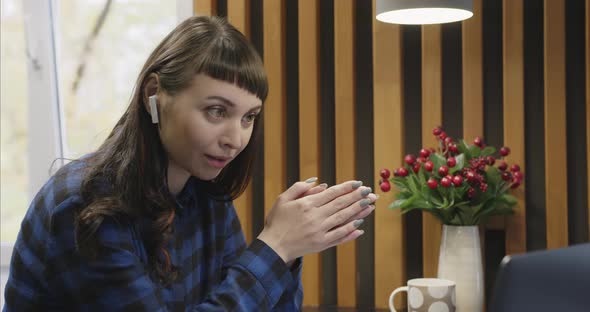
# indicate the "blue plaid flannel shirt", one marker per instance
pixel 218 271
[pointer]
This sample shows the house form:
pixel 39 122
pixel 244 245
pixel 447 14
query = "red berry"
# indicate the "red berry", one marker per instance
pixel 403 172
pixel 429 165
pixel 385 173
pixel 416 167
pixel 385 186
pixel 470 192
pixel 506 176
pixel 518 176
pixel 503 166
pixel 410 159
pixel 442 135
pixel 457 180
pixel 478 141
pixel 515 185
pixel 451 162
pixel 483 187
pixel 490 160
pixel 432 150
pixel 432 183
pixel 424 153
pixel 448 140
pixel 505 151
pixel 453 148
pixel 445 182
pixel 470 175
pixel 443 171
pixel 437 131
pixel 422 159
pixel 515 168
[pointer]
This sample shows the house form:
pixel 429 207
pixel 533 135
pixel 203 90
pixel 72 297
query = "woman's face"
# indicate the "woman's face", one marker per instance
pixel 207 125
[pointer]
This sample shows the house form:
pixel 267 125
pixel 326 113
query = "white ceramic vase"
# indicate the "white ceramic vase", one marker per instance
pixel 460 261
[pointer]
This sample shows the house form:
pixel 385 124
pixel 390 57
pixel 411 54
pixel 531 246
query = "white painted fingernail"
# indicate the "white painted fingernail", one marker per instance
pixel 311 180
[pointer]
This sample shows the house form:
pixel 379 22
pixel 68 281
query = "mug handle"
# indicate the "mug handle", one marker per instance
pixel 391 297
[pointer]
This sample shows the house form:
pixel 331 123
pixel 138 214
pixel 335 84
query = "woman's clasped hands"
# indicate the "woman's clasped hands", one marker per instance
pixel 308 218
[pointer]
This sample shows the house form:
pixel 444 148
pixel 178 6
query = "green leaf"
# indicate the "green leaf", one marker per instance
pixel 397 204
pixel 460 163
pixel 464 149
pixel 493 178
pixel 413 184
pixel 475 151
pixel 438 161
pixel 488 150
pixel 401 183
pixel 509 199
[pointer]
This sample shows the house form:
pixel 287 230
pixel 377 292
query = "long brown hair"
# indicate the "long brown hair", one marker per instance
pixel 126 178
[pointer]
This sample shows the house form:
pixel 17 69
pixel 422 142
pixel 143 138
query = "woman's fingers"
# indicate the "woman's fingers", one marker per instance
pixel 298 189
pixel 316 189
pixel 344 233
pixel 362 214
pixel 334 192
pixel 342 215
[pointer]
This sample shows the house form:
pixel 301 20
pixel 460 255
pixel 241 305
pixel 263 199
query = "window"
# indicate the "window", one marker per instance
pixel 68 68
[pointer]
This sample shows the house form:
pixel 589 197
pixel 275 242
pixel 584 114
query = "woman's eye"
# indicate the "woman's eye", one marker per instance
pixel 251 118
pixel 216 112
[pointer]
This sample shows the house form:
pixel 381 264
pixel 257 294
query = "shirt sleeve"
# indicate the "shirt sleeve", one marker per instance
pixel 276 287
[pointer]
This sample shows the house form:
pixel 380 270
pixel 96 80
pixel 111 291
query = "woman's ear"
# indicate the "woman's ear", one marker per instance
pixel 150 89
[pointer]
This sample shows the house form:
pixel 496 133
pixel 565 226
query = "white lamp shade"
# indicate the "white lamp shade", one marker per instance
pixel 420 12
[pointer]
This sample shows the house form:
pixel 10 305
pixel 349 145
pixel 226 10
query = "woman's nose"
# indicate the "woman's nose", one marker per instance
pixel 232 136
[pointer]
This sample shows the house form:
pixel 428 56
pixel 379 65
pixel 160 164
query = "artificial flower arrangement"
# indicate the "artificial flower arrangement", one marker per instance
pixel 459 183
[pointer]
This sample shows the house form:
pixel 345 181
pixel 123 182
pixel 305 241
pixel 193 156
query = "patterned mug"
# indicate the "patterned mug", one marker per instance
pixel 427 295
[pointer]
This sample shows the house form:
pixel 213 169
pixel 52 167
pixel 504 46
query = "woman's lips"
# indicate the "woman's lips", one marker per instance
pixel 217 162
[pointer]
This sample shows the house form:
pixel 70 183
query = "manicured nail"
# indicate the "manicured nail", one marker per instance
pixel 357 184
pixel 324 185
pixel 364 202
pixel 358 222
pixel 362 232
pixel 366 191
pixel 311 180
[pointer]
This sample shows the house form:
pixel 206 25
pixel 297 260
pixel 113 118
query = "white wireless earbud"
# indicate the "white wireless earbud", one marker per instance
pixel 153 109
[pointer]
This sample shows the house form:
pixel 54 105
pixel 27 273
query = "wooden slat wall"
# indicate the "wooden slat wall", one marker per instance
pixel 275 105
pixel 555 127
pixel 431 117
pixel 238 14
pixel 205 7
pixel 390 127
pixel 309 133
pixel 344 84
pixel 388 114
pixel 513 87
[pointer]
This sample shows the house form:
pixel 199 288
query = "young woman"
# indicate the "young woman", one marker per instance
pixel 146 222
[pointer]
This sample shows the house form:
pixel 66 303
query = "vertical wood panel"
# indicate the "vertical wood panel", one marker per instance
pixel 588 105
pixel 472 73
pixel 431 117
pixel 472 49
pixel 205 7
pixel 238 14
pixel 275 106
pixel 555 129
pixel 388 150
pixel 344 84
pixel 309 134
pixel 513 86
